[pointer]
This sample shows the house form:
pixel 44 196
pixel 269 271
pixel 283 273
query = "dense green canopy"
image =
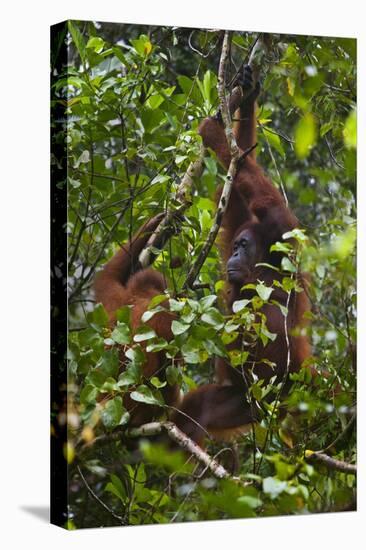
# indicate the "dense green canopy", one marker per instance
pixel 134 97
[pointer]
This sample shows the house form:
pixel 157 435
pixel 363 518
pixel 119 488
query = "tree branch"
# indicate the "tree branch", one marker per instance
pixel 231 173
pixel 166 228
pixel 103 504
pixel 174 433
pixel 185 442
pixel 331 463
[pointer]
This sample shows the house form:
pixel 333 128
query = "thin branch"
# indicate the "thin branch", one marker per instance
pixel 166 228
pixel 95 496
pixel 176 435
pixel 231 173
pixel 350 425
pixel 154 428
pixel 279 134
pixel 275 165
pixel 200 286
pixel 332 155
pixel 248 59
pixel 331 463
pixel 204 55
pixel 84 221
pixel 283 383
pixel 106 240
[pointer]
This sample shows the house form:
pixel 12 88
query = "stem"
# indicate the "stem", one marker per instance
pixel 231 173
pixel 331 463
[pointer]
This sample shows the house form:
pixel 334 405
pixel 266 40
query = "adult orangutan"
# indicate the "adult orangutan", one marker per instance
pixel 256 217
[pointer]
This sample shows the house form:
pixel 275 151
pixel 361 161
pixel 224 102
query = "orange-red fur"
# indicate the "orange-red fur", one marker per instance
pixel 219 409
pixel 222 409
pixel 120 283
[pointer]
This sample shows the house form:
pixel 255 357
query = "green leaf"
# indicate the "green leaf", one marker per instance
pixel 109 363
pixel 144 333
pixel 155 101
pixel 260 435
pixel 116 487
pixel 151 119
pixel 98 318
pixel 324 129
pixel 109 386
pixel 112 413
pixel 119 54
pixel 143 394
pixel 190 352
pixel 179 328
pixel 273 487
pixel 239 305
pixel 214 318
pixel 211 166
pixel 281 247
pixel 275 141
pixel 190 89
pixel 123 314
pixel 214 348
pixel 305 135
pixel 131 376
pixel 95 43
pixel 256 391
pixel 176 305
pixel 207 302
pixel 350 46
pixel 78 40
pixel 252 502
pixel 344 243
pixel 179 159
pixel 121 334
pixel 147 315
pixel 238 358
pixel 160 456
pixel 298 234
pixel 157 383
pixel 173 375
pixel 142 45
pixel 287 265
pixel 96 378
pixel 88 394
pixel 157 300
pixel 185 83
pixel 207 84
pixel 158 345
pixel 264 291
pixel 350 131
pixel 136 355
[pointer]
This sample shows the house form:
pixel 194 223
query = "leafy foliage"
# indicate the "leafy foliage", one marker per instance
pixel 134 98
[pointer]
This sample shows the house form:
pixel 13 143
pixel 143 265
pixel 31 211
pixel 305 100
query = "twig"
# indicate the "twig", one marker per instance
pixel 200 286
pixel 235 153
pixel 275 165
pixel 84 221
pixel 332 156
pixel 166 227
pixel 95 496
pixel 109 235
pixel 351 423
pixel 204 55
pixel 154 428
pixel 249 58
pixel 331 463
